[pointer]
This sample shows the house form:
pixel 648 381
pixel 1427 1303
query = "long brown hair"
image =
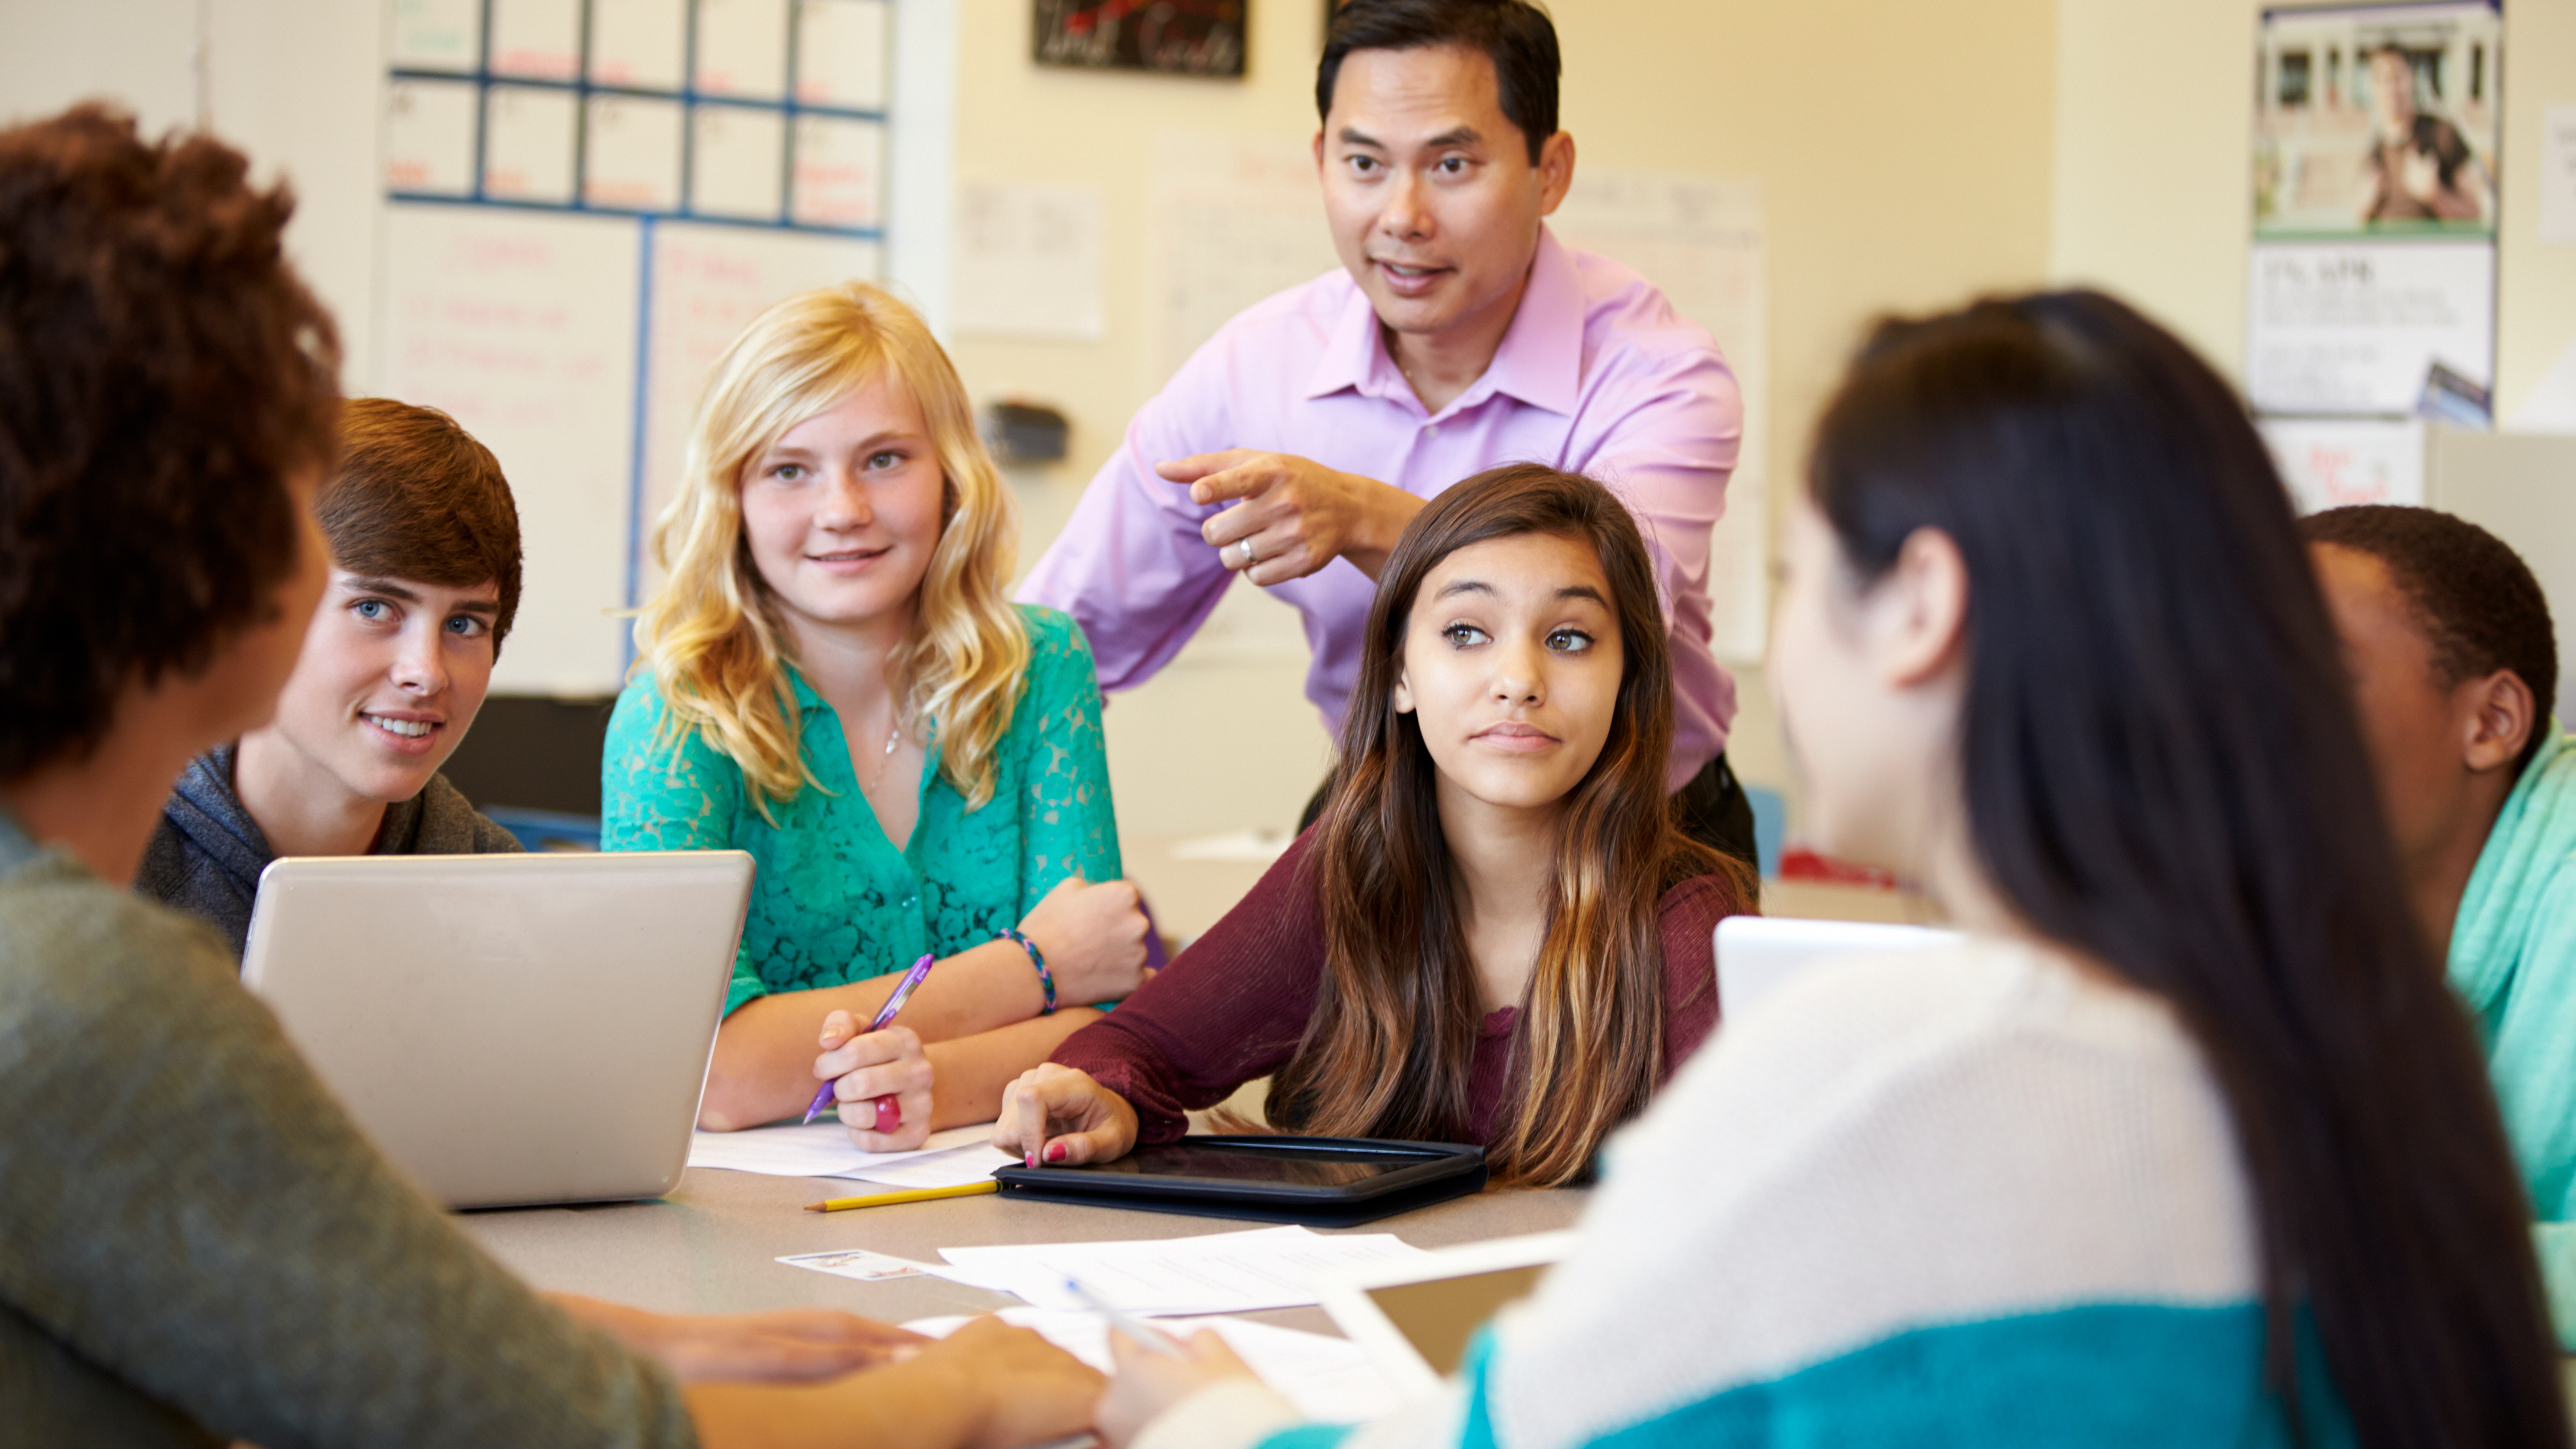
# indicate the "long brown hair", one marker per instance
pixel 2163 772
pixel 1388 1049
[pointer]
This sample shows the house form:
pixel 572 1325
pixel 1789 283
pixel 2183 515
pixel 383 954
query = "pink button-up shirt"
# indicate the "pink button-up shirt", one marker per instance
pixel 1596 375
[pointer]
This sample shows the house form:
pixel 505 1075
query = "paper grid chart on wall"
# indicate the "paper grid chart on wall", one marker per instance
pixel 586 200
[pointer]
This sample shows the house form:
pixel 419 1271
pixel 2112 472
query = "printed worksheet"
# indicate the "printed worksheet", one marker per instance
pixel 1171 1277
pixel 952 1158
pixel 1329 1379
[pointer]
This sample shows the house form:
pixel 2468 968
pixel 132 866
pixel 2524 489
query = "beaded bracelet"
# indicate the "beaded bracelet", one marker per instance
pixel 1037 958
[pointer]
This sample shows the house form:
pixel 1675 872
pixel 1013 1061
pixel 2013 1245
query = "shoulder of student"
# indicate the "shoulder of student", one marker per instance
pixel 84 965
pixel 450 825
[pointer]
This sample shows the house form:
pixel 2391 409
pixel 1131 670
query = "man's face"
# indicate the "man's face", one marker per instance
pixel 391 674
pixel 2392 85
pixel 1429 189
pixel 2415 724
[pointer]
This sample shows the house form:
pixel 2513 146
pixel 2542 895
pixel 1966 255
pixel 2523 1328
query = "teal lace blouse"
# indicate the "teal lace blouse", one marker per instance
pixel 832 900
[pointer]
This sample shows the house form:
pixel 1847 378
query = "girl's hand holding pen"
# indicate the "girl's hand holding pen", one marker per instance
pixel 881 1080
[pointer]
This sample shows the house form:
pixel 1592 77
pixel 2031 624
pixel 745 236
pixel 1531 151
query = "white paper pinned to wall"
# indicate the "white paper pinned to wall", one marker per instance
pixel 639 43
pixel 1700 240
pixel 539 39
pixel 522 327
pixel 429 136
pixel 1028 261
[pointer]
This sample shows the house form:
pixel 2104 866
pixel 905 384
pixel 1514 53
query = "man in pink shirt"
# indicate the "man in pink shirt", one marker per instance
pixel 1294 447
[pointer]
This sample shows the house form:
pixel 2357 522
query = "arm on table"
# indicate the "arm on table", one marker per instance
pixel 984 1387
pixel 1228 1010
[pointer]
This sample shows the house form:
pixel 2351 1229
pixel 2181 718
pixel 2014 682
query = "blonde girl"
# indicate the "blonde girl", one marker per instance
pixel 832 678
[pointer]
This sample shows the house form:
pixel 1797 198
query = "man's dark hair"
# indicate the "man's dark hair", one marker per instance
pixel 2473 596
pixel 163 375
pixel 419 498
pixel 1516 35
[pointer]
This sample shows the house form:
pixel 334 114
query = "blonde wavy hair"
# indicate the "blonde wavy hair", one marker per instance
pixel 713 635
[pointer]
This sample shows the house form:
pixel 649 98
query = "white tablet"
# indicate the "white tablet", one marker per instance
pixel 1416 1317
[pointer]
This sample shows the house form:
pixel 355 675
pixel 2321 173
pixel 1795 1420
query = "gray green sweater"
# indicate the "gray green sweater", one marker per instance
pixel 206 855
pixel 197 1246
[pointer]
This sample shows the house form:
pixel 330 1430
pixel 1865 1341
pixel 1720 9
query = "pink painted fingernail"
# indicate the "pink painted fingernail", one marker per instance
pixel 1031 1160
pixel 1055 1152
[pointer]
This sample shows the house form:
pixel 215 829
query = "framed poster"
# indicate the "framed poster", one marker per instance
pixel 2371 284
pixel 1175 37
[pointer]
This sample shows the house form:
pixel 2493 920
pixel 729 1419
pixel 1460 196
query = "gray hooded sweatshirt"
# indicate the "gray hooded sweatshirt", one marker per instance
pixel 207 853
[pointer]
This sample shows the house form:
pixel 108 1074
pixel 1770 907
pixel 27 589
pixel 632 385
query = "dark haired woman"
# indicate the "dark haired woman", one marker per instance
pixel 2187 1144
pixel 196 1244
pixel 1495 933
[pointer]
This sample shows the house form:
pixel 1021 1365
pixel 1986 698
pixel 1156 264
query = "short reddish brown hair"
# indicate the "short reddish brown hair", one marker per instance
pixel 418 498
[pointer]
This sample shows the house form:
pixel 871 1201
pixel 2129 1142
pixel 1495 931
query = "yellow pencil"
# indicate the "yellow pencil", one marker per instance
pixel 889 1199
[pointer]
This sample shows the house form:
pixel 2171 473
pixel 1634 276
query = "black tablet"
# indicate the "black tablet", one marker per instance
pixel 1317 1181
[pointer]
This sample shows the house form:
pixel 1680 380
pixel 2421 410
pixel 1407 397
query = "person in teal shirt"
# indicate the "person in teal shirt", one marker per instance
pixel 832 678
pixel 2454 659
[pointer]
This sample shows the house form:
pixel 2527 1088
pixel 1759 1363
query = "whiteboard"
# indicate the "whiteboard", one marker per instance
pixel 523 327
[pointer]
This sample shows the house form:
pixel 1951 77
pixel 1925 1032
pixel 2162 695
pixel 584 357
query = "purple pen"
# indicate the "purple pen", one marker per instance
pixel 885 1014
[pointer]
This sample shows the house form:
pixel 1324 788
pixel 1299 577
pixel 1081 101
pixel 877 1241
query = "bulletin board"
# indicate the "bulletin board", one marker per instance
pixel 586 200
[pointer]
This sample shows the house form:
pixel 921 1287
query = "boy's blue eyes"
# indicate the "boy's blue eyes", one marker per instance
pixel 381 611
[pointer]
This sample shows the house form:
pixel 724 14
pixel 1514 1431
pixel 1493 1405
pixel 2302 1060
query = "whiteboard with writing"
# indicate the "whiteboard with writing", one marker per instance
pixel 523 327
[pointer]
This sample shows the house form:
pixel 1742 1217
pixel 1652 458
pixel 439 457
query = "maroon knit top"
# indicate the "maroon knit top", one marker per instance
pixel 1233 1007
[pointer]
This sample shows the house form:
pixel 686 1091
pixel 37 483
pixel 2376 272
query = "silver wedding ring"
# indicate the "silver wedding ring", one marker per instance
pixel 1246 545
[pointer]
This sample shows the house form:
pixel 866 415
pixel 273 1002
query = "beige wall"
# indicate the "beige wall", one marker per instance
pixel 1904 156
pixel 2154 121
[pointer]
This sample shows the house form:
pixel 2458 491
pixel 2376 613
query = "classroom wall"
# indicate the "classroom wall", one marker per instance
pixel 1905 160
pixel 2152 198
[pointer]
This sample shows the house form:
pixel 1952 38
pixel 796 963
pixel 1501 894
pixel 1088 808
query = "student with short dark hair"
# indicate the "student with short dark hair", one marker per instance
pixel 2185 1143
pixel 424 541
pixel 2453 658
pixel 196 1244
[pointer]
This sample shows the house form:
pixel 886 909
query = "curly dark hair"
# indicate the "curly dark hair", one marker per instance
pixel 164 374
pixel 2470 593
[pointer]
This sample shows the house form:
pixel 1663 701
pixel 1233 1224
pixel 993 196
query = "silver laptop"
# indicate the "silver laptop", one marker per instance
pixel 1755 954
pixel 509 1029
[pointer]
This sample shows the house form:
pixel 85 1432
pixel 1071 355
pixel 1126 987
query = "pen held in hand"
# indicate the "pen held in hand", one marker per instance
pixel 885 1017
pixel 1146 1338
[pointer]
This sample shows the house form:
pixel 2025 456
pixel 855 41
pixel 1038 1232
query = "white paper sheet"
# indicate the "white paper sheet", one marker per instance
pixel 436 34
pixel 737 167
pixel 841 53
pixel 840 172
pixel 951 1158
pixel 1028 261
pixel 528 144
pixel 639 43
pixel 632 161
pixel 2558 174
pixel 1330 1380
pixel 742 48
pixel 1168 1277
pixel 540 39
pixel 861 1265
pixel 429 137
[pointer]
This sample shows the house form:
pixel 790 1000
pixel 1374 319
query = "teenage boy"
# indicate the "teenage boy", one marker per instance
pixel 197 1247
pixel 424 544
pixel 2454 661
pixel 1460 334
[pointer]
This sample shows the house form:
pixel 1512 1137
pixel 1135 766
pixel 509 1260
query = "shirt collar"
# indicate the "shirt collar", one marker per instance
pixel 16 846
pixel 1540 361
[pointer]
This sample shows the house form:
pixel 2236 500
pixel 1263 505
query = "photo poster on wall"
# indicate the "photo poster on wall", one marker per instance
pixel 585 202
pixel 2371 279
pixel 1172 37
pixel 1237 219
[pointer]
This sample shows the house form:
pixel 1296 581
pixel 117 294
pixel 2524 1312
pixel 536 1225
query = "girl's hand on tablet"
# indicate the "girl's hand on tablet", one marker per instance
pixel 1093 934
pixel 1059 1116
pixel 1150 1383
pixel 881 1080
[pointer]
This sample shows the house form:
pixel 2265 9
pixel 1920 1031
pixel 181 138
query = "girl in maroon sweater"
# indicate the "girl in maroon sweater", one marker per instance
pixel 1494 934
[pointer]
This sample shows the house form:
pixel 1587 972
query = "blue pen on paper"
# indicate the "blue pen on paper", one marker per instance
pixel 885 1014
pixel 1125 1323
